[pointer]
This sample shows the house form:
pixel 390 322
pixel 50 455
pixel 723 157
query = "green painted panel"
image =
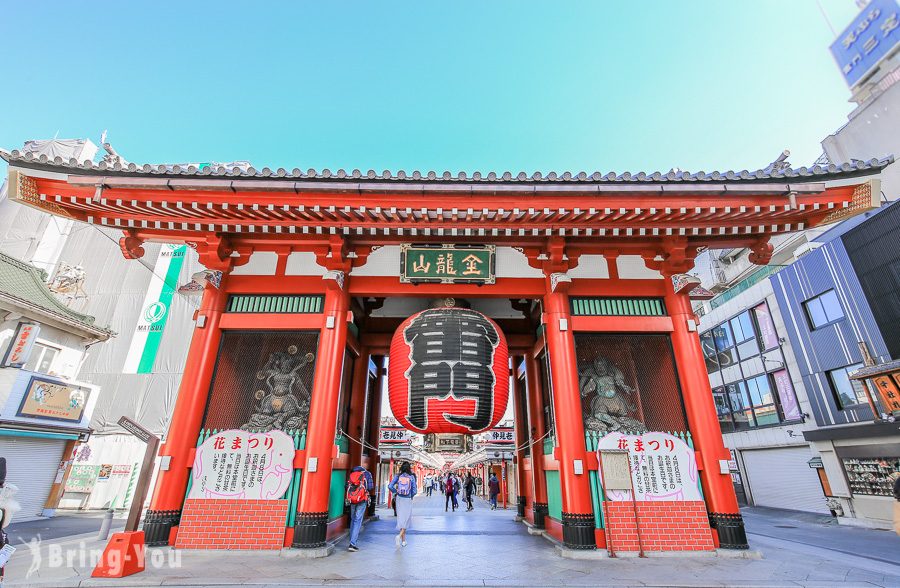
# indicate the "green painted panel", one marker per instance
pixel 274 304
pixel 336 495
pixel 549 444
pixel 618 307
pixel 554 494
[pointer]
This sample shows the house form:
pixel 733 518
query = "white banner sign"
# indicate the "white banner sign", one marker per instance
pixel 239 464
pixel 663 467
pixel 395 435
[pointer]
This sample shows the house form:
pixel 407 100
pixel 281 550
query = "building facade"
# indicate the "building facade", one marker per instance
pixel 44 409
pixel 827 300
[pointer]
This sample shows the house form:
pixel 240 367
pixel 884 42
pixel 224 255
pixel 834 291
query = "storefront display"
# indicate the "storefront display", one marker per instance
pixel 872 476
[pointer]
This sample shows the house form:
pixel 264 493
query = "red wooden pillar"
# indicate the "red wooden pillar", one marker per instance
pixel 359 397
pixel 700 409
pixel 187 417
pixel 577 507
pixel 538 430
pixel 521 438
pixel 373 429
pixel 312 509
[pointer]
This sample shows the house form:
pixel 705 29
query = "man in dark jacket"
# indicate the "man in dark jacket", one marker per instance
pixel 494 488
pixel 470 491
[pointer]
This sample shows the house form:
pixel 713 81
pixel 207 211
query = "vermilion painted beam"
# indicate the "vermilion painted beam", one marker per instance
pixel 380 286
pixel 622 324
pixel 271 321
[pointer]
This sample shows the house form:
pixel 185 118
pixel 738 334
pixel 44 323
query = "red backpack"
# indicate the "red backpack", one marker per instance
pixel 357 492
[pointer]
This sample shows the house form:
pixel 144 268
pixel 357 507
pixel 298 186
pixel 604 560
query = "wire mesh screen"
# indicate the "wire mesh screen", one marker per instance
pixel 262 381
pixel 628 383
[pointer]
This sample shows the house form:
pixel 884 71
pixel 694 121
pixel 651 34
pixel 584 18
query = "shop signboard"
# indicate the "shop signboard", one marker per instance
pixel 53 400
pixel 82 478
pixel 447 264
pixel 787 396
pixel 500 436
pixel 766 327
pixel 663 467
pixel 888 391
pixel 236 464
pixel 394 436
pixel 871 36
pixel 20 346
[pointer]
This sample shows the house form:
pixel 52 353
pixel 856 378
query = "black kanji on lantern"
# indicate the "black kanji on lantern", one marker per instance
pixel 452 355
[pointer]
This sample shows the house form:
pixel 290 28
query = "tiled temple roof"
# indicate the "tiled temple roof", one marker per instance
pixel 814 173
pixel 21 284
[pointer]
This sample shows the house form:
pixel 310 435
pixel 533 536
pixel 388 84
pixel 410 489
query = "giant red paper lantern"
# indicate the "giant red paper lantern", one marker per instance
pixel 449 372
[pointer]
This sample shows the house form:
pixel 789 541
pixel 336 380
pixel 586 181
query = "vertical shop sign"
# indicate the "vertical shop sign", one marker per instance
pixel 155 310
pixel 786 394
pixel 766 326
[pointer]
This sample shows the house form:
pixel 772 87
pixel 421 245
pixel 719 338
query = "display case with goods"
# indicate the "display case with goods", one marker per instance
pixel 872 476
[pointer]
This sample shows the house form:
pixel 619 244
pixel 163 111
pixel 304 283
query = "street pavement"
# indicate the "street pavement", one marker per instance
pixel 59 527
pixel 488 548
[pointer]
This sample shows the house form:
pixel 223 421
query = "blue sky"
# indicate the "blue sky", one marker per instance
pixel 476 86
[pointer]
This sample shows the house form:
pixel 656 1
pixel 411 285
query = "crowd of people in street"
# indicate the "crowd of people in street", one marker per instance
pixel 403 488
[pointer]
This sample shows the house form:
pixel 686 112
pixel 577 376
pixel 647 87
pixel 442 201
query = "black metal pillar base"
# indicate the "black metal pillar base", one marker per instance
pixel 730 527
pixel 310 530
pixel 540 511
pixel 158 524
pixel 578 531
pixel 520 506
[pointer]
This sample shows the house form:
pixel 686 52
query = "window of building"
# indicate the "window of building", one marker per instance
pixel 709 351
pixel 745 335
pixel 751 403
pixel 41 359
pixel 847 392
pixel 823 309
pixel 726 353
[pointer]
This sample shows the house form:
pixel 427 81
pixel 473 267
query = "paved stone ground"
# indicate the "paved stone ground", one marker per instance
pixel 487 548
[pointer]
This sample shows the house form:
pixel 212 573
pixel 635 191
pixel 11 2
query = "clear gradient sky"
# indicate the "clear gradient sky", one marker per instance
pixel 475 86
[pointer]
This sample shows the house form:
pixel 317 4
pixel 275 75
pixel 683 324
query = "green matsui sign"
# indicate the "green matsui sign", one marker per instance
pixel 447 264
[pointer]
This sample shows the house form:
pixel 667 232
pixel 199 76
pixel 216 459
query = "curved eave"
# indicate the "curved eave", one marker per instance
pixel 715 209
pixel 53 319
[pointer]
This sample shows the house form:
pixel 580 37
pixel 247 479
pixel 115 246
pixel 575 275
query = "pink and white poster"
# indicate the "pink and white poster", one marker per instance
pixel 766 326
pixel 663 467
pixel 239 464
pixel 787 396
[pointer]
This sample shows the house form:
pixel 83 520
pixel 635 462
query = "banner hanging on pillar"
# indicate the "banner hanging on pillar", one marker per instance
pixel 155 310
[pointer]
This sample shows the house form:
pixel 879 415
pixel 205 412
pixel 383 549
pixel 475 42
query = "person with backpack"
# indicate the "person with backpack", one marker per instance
pixel 359 488
pixel 404 488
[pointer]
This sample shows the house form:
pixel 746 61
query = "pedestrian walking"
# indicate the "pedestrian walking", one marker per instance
pixel 404 488
pixel 494 489
pixel 469 488
pixel 449 493
pixel 359 489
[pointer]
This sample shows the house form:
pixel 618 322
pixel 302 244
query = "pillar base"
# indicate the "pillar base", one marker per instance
pixel 157 526
pixel 578 531
pixel 520 506
pixel 730 527
pixel 540 511
pixel 310 530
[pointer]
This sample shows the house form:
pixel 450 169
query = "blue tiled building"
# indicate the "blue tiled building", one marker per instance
pixel 840 303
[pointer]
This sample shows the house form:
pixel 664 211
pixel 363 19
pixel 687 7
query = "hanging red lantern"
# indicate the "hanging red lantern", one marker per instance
pixel 448 372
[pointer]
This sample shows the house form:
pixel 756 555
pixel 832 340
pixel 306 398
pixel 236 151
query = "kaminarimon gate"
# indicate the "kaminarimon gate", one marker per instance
pixel 580 280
